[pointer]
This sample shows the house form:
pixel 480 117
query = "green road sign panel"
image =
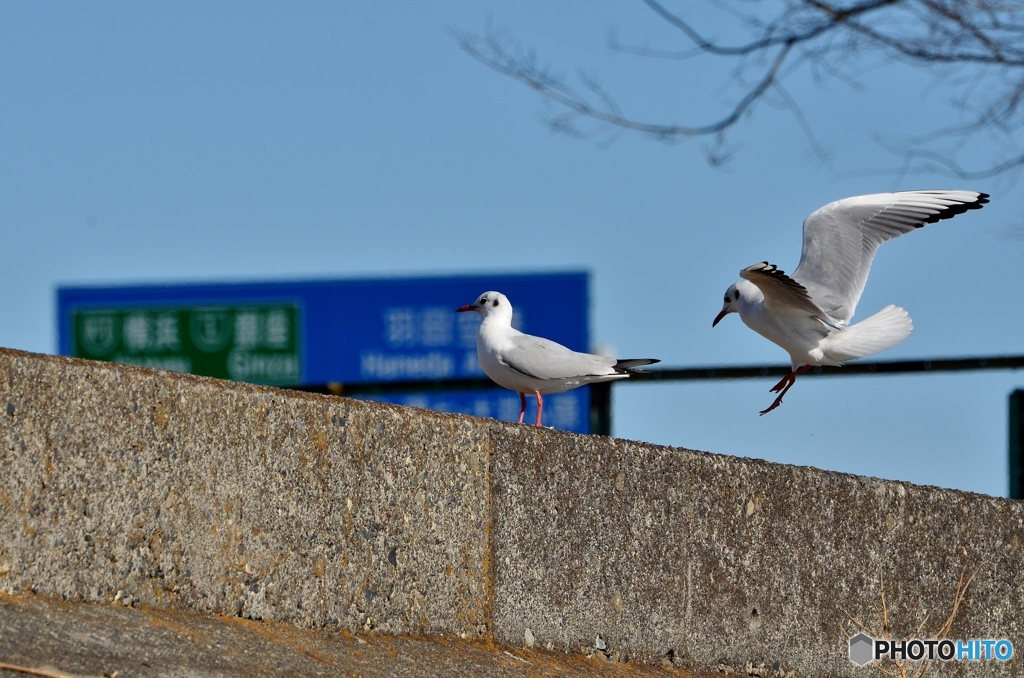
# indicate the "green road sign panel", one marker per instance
pixel 257 343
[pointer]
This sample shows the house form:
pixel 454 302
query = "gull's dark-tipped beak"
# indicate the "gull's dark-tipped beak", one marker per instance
pixel 463 309
pixel 719 317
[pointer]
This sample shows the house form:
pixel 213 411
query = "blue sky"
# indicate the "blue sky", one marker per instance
pixel 144 142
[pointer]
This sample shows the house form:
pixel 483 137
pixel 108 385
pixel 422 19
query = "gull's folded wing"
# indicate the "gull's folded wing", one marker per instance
pixel 544 359
pixel 781 293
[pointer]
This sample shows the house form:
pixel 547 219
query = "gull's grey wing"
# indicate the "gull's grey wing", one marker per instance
pixel 787 300
pixel 544 359
pixel 841 238
pixel 781 293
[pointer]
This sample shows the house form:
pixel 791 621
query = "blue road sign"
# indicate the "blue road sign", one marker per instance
pixel 325 331
pixel 569 411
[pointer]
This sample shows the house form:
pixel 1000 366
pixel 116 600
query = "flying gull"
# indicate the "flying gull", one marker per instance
pixel 808 313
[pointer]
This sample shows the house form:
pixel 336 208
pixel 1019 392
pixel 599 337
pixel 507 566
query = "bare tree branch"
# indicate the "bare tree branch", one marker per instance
pixel 974 47
pixel 506 56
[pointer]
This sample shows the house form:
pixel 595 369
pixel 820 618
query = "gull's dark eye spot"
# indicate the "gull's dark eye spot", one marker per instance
pixel 483 301
pixel 495 303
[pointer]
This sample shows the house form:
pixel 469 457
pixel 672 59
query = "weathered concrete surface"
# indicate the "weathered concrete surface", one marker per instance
pixel 736 562
pixel 94 640
pixel 219 497
pixel 190 493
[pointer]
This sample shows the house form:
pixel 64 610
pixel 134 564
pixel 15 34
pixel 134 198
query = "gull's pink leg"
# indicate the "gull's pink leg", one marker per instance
pixel 522 408
pixel 784 386
pixel 778 401
pixel 540 406
pixel 788 379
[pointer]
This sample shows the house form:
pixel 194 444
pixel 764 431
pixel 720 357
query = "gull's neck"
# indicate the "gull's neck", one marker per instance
pixel 751 301
pixel 496 330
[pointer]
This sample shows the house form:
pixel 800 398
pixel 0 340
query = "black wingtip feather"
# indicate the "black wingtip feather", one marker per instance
pixel 953 210
pixel 630 365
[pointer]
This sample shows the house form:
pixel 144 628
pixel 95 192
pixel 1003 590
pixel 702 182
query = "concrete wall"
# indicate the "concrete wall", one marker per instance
pixel 322 512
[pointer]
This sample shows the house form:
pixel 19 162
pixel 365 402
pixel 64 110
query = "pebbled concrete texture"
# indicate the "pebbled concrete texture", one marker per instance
pixel 155 490
pixel 740 564
pixel 184 492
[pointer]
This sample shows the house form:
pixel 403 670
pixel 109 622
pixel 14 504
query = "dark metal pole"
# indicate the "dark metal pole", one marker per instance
pixel 601 408
pixel 1017 445
pixel 854 368
pixel 709 373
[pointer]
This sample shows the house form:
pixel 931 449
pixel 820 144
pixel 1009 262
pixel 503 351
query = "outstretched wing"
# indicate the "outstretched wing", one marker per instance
pixel 841 238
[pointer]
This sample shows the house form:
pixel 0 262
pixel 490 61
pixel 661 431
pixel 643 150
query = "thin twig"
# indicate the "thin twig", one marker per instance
pixel 899 669
pixel 33 672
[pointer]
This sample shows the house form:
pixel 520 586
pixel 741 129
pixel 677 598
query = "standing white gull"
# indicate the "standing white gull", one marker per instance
pixel 527 364
pixel 808 313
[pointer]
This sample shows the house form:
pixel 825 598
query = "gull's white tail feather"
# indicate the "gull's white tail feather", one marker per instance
pixel 882 331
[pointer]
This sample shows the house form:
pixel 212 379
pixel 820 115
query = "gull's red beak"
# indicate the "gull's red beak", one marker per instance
pixel 463 309
pixel 717 317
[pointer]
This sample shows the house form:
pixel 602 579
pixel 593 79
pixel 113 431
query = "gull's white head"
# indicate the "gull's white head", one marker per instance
pixel 739 293
pixel 490 304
